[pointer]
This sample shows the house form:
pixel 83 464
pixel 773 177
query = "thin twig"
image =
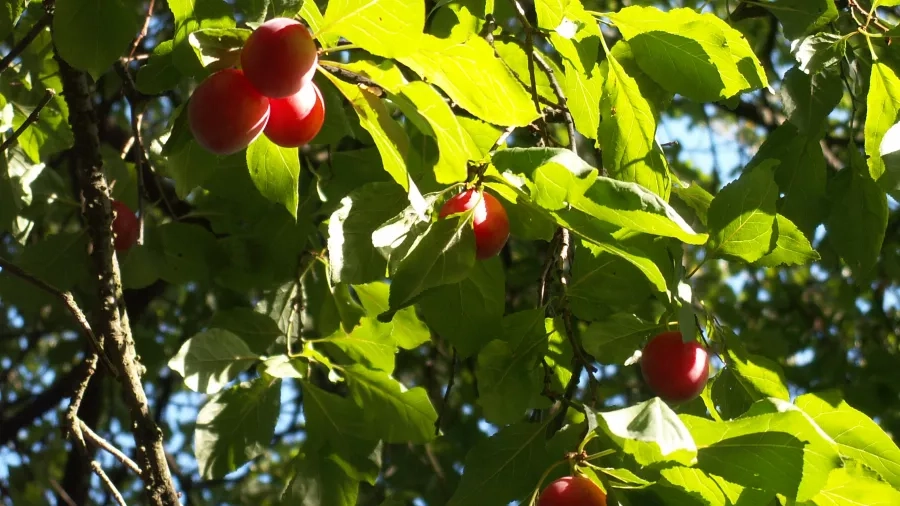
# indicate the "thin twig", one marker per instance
pixel 529 51
pixel 108 483
pixel 73 425
pixel 437 423
pixel 97 440
pixel 35 30
pixel 140 37
pixel 63 495
pixel 141 163
pixel 563 102
pixel 68 300
pixel 35 114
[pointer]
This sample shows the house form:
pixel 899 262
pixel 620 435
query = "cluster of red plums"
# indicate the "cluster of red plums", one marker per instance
pixel 272 93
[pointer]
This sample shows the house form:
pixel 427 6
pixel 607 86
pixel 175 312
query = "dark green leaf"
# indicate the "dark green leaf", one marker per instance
pixel 93 37
pixel 354 259
pixel 808 100
pixel 742 215
pixel 858 217
pixel 259 331
pixel 391 412
pixel 613 340
pixel 236 425
pixel 210 360
pixel 801 17
pixel 468 313
pixel 444 254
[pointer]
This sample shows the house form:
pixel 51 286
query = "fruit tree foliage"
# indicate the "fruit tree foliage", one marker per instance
pixel 305 326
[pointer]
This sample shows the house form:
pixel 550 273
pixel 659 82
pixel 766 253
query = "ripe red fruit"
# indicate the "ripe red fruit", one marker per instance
pixel 676 371
pixel 279 57
pixel 490 222
pixel 125 226
pixel 226 113
pixel 572 491
pixel 296 120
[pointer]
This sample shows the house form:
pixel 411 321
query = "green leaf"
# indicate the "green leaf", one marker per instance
pixel 801 175
pixel 628 133
pixel 219 47
pixel 496 96
pixel 310 13
pixel 846 489
pixel 210 360
pixel 354 259
pixel 651 432
pixel 697 198
pixel 696 55
pixel 391 412
pixel 791 246
pixel 318 481
pixel 632 206
pixel 388 28
pixel 801 17
pixel 582 78
pixel 513 55
pixel 506 466
pixel 758 377
pixel 283 366
pixel 883 110
pixel 159 74
pixel 235 426
pixel 509 373
pixel 444 254
pixel 93 36
pixel 369 344
pixel 614 339
pixel 819 51
pixel 192 165
pixel 374 117
pixel 603 282
pixel 259 331
pixel 9 14
pixel 455 146
pixel 695 482
pixel 467 313
pixel 797 459
pixel 336 425
pixel 858 217
pixel 406 329
pixel 275 172
pixel 186 250
pixel 809 99
pixel 742 215
pixel 856 435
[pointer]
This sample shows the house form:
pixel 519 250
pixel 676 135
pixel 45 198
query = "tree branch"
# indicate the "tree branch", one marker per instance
pixel 111 321
pixel 557 89
pixel 35 114
pixel 437 423
pixel 35 30
pixel 68 300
